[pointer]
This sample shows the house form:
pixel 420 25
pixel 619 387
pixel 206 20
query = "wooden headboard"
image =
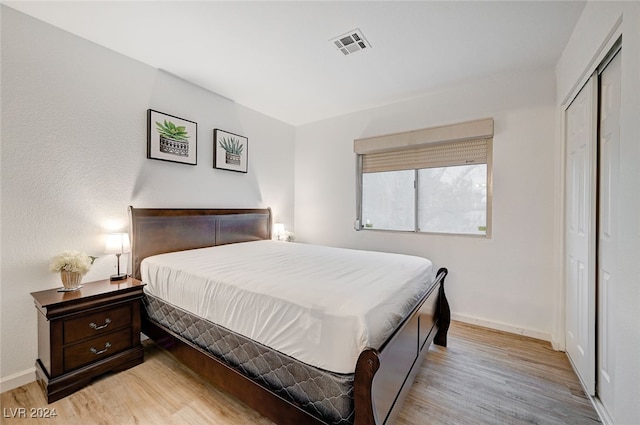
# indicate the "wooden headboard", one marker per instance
pixel 160 230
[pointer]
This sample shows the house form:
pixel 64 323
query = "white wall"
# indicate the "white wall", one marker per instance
pixel 601 22
pixel 504 282
pixel 74 157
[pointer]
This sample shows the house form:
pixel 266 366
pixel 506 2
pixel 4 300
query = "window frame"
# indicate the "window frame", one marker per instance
pixel 427 137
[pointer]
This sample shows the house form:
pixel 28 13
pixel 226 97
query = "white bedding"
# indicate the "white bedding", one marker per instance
pixel 318 304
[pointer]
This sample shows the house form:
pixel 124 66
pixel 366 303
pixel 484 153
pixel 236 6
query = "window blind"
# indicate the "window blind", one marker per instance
pixel 449 145
pixel 470 130
pixel 428 156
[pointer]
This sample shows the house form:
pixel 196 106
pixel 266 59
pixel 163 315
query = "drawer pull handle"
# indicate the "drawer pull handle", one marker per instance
pixel 97 353
pixel 92 325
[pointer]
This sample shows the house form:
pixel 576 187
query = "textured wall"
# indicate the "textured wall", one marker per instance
pixel 74 157
pixel 504 281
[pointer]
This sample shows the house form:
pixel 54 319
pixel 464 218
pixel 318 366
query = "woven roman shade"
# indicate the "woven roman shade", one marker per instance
pixel 428 156
pixel 456 144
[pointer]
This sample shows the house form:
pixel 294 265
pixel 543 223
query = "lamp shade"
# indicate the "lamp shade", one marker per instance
pixel 278 229
pixel 117 243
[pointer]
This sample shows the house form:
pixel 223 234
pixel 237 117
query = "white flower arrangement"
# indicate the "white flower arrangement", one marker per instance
pixel 72 261
pixel 287 236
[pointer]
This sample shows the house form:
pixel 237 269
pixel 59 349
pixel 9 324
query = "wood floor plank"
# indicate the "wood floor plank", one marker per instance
pixel 492 377
pixel 484 377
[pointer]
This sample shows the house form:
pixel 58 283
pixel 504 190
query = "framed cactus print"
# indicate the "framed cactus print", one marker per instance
pixel 230 151
pixel 170 138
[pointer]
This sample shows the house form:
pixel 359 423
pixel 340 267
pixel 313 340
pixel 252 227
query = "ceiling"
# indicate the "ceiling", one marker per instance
pixel 277 58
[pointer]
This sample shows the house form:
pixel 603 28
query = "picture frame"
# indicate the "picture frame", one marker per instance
pixel 171 138
pixel 230 151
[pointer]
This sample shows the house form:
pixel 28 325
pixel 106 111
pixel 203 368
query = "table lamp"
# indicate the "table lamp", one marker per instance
pixel 118 243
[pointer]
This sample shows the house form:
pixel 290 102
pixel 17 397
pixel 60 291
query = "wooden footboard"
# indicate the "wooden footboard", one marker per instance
pixel 384 377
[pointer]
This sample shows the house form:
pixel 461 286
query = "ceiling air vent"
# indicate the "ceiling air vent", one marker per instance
pixel 351 42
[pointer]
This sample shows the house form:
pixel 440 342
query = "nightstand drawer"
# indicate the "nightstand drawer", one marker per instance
pixel 98 323
pixel 96 349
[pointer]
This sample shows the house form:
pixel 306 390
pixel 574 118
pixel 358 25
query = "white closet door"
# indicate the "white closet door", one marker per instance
pixel 608 231
pixel 581 120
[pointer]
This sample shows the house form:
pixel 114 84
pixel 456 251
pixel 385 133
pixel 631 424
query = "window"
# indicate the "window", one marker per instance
pixel 434 184
pixel 453 199
pixel 388 200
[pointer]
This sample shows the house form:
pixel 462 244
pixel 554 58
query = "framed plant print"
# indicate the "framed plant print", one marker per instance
pixel 171 138
pixel 230 151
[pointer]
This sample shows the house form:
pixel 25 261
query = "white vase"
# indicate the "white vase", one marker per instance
pixel 70 280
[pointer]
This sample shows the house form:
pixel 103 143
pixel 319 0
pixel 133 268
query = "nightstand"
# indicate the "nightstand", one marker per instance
pixel 85 333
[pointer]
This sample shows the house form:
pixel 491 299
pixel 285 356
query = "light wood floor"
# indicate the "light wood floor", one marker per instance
pixel 482 377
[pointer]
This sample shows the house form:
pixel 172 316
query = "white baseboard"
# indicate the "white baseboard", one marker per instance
pixel 558 345
pixel 16 380
pixel 600 409
pixel 501 326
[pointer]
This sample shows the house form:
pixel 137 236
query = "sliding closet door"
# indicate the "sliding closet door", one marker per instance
pixel 580 201
pixel 608 232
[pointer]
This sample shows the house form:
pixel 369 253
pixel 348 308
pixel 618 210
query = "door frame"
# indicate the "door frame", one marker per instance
pixel 559 337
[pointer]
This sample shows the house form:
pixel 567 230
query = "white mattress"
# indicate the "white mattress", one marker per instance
pixel 318 304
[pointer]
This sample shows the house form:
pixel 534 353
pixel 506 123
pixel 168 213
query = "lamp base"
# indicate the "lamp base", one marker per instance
pixel 117 277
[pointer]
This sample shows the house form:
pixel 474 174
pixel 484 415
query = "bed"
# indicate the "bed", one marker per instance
pixel 297 359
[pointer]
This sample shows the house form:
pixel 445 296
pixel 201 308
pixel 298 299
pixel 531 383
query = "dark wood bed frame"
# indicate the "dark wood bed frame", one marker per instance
pixel 382 378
